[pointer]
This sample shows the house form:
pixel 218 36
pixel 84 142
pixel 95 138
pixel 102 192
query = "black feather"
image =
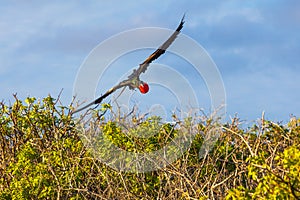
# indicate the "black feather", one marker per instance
pixel 161 50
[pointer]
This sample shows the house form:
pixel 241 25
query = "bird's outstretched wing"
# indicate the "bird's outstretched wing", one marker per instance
pixel 109 92
pixel 161 50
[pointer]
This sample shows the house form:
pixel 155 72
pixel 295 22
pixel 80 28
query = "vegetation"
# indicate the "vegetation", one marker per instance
pixel 43 156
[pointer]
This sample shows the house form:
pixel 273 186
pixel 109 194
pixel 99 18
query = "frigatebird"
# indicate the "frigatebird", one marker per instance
pixel 133 81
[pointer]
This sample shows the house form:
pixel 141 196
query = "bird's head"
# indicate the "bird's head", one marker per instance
pixel 141 85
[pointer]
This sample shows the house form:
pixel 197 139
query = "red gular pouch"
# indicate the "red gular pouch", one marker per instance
pixel 144 87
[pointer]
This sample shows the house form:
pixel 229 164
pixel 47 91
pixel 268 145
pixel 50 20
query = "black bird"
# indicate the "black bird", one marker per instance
pixel 133 81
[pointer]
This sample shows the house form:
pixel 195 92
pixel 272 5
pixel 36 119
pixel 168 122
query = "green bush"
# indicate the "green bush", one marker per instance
pixel 43 156
pixel 274 170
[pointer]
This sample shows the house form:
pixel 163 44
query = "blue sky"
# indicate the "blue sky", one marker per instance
pixel 255 45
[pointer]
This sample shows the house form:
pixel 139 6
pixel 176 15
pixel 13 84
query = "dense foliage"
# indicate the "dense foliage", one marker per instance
pixel 43 157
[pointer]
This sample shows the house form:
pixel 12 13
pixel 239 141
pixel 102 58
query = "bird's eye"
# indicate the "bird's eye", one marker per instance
pixel 144 87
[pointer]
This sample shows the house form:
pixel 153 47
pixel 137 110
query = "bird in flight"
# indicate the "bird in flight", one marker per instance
pixel 133 80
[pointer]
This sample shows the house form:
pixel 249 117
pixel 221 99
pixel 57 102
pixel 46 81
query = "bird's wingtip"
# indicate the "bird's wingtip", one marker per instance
pixel 183 17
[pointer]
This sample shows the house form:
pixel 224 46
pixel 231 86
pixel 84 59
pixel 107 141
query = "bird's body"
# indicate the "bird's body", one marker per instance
pixel 133 80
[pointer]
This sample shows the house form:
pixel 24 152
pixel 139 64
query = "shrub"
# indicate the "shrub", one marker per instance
pixel 43 156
